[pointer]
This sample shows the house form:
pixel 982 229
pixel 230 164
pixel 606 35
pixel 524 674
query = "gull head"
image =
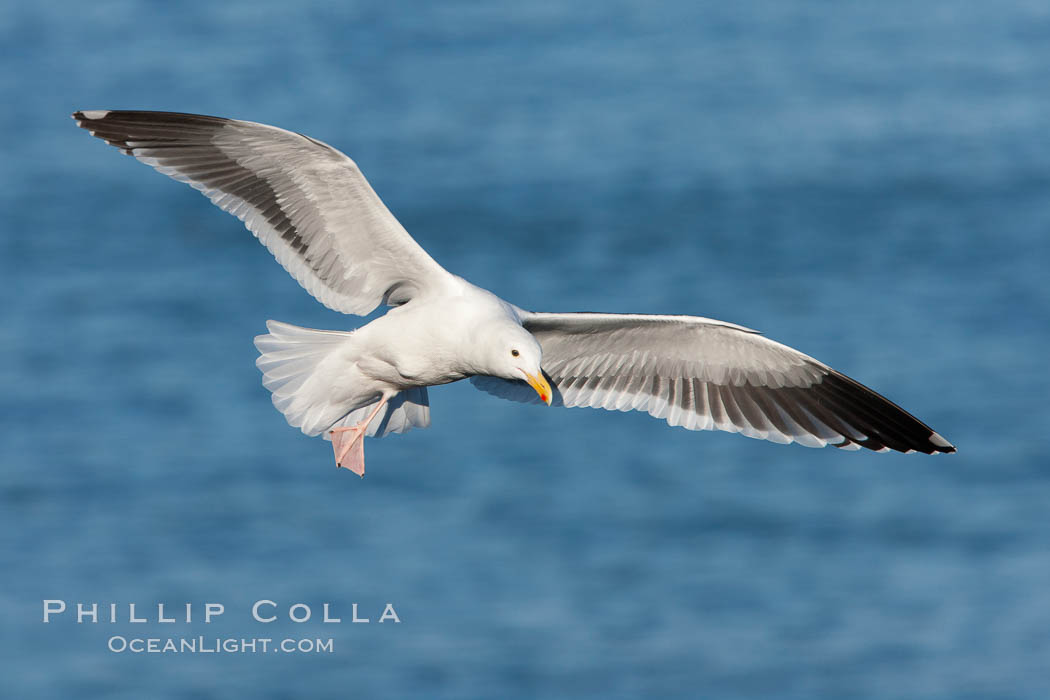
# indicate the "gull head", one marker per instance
pixel 514 354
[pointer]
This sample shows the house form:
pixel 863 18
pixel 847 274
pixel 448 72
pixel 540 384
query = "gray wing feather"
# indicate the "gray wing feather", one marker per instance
pixel 703 374
pixel 308 203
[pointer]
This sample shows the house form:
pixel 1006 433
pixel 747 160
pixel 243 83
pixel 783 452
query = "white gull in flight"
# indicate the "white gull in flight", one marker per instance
pixel 312 208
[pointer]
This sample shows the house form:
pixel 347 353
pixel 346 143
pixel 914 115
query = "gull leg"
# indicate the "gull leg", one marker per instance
pixel 350 448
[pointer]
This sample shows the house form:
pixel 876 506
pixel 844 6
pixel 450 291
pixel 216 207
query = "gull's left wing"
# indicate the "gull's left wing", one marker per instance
pixel 704 374
pixel 307 202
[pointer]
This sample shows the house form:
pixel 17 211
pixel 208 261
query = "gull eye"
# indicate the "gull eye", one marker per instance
pixel 515 353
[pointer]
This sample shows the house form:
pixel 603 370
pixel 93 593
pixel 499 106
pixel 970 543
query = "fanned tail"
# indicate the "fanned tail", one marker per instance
pixel 292 360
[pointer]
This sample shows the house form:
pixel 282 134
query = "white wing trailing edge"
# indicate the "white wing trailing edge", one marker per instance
pixel 307 202
pixel 703 374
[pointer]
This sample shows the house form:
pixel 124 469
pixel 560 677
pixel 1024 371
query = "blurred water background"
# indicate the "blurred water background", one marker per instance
pixel 867 182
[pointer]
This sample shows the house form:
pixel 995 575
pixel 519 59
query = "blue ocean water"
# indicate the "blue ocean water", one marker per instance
pixel 868 183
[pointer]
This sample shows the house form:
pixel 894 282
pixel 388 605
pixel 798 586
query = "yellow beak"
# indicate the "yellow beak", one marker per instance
pixel 541 386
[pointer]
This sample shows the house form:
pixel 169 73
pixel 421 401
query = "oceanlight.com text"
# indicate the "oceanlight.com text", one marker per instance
pixel 218 645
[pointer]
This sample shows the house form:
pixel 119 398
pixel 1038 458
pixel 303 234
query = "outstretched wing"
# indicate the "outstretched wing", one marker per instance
pixel 308 203
pixel 703 374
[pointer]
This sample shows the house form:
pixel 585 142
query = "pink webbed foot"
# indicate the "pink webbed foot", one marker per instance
pixel 349 447
pixel 348 442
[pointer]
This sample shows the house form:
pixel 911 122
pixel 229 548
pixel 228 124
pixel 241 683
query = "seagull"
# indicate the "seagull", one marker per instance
pixel 309 204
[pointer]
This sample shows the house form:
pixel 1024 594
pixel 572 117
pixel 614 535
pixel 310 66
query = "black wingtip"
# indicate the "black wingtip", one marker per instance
pixel 940 445
pixel 129 130
pixel 884 423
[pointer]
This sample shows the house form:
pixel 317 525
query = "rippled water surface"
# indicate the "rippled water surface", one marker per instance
pixel 870 184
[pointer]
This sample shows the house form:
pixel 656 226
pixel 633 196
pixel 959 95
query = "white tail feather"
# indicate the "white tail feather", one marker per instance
pixel 289 360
